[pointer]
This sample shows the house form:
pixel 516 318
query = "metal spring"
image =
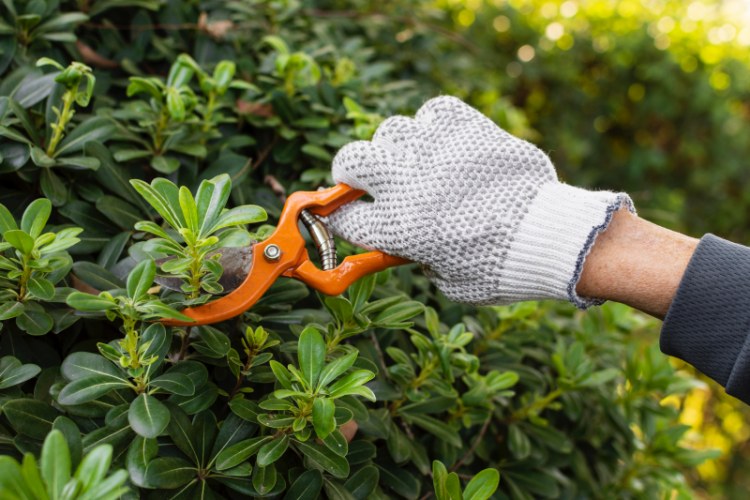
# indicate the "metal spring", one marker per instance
pixel 322 238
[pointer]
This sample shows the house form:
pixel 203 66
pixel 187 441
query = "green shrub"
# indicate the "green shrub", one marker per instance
pixel 560 403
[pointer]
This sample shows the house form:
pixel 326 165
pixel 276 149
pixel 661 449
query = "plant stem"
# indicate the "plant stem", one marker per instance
pixel 537 406
pixel 24 279
pixel 161 125
pixel 62 121
pixel 210 107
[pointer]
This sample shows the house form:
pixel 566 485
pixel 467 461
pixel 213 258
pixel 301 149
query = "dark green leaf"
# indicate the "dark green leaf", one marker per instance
pixel 169 472
pixel 264 479
pixel 312 354
pixel 239 452
pixel 93 130
pixel 323 420
pixel 272 451
pixel 89 388
pixel 148 416
pixel 30 417
pixel 306 487
pixel 327 460
pixel 362 483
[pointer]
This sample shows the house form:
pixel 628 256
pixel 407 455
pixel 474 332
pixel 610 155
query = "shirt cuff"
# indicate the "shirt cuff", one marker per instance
pixel 708 323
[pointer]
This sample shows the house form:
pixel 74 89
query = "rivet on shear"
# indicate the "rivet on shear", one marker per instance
pixel 272 253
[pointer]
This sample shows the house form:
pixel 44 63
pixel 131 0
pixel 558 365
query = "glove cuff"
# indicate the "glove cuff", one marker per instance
pixel 546 257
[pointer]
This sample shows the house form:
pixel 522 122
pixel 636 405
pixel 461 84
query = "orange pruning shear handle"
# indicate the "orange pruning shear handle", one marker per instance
pixel 284 254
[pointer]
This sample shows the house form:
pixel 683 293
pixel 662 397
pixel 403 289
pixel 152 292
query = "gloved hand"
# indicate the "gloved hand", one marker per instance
pixel 481 211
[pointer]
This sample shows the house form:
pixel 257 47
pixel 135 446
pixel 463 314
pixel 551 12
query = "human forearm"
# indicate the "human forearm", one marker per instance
pixel 637 263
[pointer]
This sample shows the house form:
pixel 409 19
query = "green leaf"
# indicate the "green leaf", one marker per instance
pixel 140 452
pixel 7 221
pixel 79 162
pixel 30 417
pixel 311 354
pixel 164 206
pixel 96 276
pixel 119 211
pixel 399 479
pixel 483 485
pixel 53 187
pixel 272 451
pixel 264 479
pixel 169 472
pixel 86 364
pixel 439 478
pixel 362 483
pixel 148 416
pixel 350 382
pixel 138 85
pixel 30 473
pixel 87 389
pixel 96 129
pixel 239 452
pixel 246 214
pixel 90 303
pixel 175 383
pixel 324 458
pixel 518 442
pixel 211 199
pixel 13 373
pixel 189 210
pixel 204 433
pixel 306 487
pixel 72 436
pixel 212 342
pixel 399 313
pixel 439 429
pixel 246 410
pixel 41 288
pixel 35 217
pixel 55 464
pixel 11 310
pixel 20 240
pixel 11 479
pixel 140 279
pixel 35 322
pixel 336 368
pixel 165 164
pixel 323 420
pixel 337 443
pixel 601 377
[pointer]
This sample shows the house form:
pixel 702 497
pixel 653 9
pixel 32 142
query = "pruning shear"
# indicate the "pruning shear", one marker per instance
pixel 284 254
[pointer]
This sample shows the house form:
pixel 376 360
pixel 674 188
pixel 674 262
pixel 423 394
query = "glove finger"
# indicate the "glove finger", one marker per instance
pixel 365 165
pixel 400 133
pixel 448 111
pixel 356 222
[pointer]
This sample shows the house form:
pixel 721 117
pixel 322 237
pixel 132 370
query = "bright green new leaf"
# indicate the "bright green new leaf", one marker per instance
pixel 140 279
pixel 35 217
pixel 323 421
pixel 483 485
pixel 311 354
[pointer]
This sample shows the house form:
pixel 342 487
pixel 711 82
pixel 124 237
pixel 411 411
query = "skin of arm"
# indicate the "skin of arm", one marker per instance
pixel 637 263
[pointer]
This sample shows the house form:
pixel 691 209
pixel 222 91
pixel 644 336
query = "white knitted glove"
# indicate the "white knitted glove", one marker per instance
pixel 481 210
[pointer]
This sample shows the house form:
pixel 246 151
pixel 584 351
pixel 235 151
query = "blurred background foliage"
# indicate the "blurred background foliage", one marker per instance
pixel 644 96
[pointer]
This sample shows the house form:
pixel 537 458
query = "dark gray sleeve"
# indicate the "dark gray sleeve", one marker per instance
pixel 708 323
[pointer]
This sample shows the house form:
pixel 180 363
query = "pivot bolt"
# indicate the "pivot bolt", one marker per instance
pixel 272 253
